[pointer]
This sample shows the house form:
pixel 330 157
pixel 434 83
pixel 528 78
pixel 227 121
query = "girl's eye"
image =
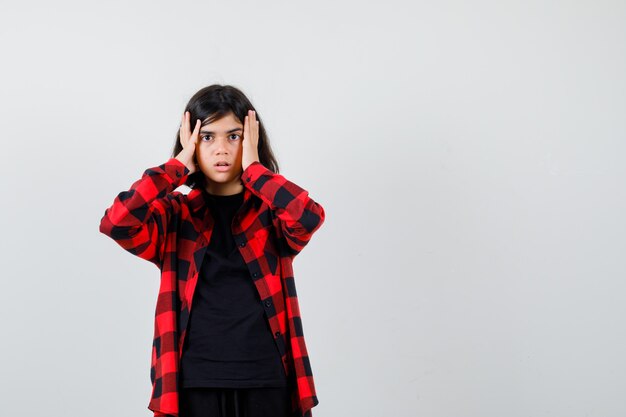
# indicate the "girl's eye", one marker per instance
pixel 208 137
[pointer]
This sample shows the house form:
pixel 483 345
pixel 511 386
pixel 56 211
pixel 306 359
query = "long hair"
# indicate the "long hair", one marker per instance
pixel 212 103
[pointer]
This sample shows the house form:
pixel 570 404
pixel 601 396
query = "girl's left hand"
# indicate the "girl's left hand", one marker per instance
pixel 250 151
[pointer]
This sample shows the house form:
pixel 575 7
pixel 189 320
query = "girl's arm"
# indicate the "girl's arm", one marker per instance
pixel 299 215
pixel 137 220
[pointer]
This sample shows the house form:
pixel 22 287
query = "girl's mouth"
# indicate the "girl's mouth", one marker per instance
pixel 222 168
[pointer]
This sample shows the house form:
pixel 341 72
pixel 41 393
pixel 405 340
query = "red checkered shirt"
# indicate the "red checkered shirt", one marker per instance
pixel 171 229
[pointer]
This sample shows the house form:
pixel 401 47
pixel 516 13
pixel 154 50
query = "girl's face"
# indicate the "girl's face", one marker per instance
pixel 220 141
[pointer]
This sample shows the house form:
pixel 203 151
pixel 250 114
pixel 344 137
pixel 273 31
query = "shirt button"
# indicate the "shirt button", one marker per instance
pixel 268 303
pixel 247 179
pixel 277 334
pixel 178 174
pixel 242 244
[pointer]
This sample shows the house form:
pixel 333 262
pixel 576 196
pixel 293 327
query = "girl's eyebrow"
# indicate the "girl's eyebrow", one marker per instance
pixel 229 131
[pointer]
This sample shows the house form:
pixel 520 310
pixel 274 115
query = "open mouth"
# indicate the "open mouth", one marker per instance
pixel 222 166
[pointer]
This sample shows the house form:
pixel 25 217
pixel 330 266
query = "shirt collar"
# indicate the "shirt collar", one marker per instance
pixel 197 198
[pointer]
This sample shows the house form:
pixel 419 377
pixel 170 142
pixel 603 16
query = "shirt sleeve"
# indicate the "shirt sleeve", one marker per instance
pixel 299 215
pixel 137 220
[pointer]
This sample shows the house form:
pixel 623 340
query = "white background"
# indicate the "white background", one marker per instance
pixel 469 157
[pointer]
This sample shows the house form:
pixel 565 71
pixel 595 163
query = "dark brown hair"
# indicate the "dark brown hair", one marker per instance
pixel 214 102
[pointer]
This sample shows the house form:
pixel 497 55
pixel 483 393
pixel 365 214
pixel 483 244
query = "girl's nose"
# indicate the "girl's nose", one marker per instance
pixel 222 144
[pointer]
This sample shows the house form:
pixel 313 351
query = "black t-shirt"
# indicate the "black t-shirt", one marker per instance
pixel 229 343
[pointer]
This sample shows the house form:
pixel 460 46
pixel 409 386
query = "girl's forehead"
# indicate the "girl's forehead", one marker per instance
pixel 228 119
pixel 226 124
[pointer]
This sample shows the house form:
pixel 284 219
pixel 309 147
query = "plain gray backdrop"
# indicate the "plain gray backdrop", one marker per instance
pixel 469 157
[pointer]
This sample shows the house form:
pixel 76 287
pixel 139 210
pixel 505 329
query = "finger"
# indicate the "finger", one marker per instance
pixel 182 131
pixel 255 125
pixel 187 117
pixel 195 131
pixel 251 128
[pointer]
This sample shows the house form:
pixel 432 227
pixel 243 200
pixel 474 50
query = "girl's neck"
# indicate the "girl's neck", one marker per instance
pixel 224 189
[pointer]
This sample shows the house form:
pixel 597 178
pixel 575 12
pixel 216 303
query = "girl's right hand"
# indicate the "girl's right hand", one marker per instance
pixel 188 140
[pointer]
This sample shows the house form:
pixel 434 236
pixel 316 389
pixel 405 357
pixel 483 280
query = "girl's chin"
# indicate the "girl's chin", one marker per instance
pixel 222 177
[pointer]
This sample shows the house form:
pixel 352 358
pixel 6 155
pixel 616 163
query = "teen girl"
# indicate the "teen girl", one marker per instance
pixel 228 337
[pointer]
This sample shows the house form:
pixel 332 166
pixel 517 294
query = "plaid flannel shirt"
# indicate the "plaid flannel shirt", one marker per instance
pixel 172 230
